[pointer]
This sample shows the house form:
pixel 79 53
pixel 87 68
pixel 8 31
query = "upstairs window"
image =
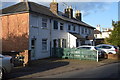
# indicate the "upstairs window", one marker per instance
pixel 89 31
pixel 61 26
pixel 44 23
pixel 69 27
pixel 74 28
pixel 55 25
pixel 86 30
pixel 82 30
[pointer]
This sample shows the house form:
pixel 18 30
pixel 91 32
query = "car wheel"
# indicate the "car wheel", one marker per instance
pixel 110 53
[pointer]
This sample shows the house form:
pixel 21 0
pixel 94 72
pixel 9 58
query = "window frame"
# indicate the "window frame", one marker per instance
pixel 82 28
pixel 74 28
pixel 44 21
pixel 55 25
pixel 69 27
pixel 61 26
pixel 44 44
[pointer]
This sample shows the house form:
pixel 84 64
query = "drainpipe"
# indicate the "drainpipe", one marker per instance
pixel 50 37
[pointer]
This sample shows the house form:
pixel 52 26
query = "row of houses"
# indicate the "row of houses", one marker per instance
pixel 38 29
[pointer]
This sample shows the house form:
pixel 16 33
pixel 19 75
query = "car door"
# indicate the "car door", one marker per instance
pixel 102 48
pixel 107 49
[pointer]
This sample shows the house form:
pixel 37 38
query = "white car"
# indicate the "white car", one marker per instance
pixel 101 53
pixel 6 65
pixel 109 49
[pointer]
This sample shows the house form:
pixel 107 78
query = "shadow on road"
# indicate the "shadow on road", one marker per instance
pixel 35 67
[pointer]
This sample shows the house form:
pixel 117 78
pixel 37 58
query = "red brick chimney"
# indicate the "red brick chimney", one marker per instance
pixel 54 7
pixel 78 15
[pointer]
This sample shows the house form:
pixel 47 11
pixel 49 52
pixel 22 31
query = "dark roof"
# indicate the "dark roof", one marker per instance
pixel 28 7
pixel 34 7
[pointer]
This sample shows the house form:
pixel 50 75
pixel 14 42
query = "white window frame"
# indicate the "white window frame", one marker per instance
pixel 44 44
pixel 44 21
pixel 61 25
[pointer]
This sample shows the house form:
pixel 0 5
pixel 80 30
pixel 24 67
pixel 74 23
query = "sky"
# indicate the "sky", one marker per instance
pixel 94 12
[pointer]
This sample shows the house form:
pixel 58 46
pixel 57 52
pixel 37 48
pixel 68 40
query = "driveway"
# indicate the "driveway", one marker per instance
pixel 49 67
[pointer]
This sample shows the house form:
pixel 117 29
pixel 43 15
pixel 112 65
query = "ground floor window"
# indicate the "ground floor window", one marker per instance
pixel 61 43
pixel 44 44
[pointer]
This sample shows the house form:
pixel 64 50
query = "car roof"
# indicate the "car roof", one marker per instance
pixel 104 45
pixel 86 46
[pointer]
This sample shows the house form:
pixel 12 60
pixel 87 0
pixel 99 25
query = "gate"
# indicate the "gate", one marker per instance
pixel 73 53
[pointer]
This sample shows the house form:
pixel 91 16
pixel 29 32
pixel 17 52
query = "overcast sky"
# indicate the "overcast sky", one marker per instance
pixel 94 11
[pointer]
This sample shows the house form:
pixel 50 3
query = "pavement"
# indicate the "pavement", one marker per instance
pixel 53 66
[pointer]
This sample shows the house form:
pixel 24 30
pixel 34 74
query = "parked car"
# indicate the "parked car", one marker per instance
pixel 109 49
pixel 6 65
pixel 101 53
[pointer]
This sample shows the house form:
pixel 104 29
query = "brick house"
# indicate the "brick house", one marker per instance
pixel 37 29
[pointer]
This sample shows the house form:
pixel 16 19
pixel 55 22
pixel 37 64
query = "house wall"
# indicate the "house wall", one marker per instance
pixel 105 34
pixel 37 32
pixel 102 35
pixel 71 41
pixel 15 32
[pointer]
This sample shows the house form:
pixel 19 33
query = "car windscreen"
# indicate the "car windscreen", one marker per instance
pixel 96 48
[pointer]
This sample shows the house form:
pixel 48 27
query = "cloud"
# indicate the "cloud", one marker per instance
pixel 6 4
pixel 87 7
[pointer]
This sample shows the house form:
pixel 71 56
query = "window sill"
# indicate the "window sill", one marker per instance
pixel 44 28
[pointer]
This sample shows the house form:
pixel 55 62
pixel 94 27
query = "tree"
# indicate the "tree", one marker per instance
pixel 114 38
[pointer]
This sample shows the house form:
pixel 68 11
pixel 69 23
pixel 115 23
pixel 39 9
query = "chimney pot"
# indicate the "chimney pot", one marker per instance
pixel 69 12
pixel 78 15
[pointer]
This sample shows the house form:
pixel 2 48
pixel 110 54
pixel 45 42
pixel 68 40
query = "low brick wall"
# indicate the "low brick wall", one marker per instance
pixel 114 56
pixel 26 56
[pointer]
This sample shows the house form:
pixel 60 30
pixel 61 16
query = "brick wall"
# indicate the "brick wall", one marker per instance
pixel 15 31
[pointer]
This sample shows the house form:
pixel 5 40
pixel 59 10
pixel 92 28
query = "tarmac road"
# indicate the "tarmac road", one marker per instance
pixel 106 71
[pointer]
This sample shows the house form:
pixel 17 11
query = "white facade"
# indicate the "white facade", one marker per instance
pixel 53 37
pixel 104 33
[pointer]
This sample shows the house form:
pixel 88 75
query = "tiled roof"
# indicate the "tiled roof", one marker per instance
pixel 97 32
pixel 37 8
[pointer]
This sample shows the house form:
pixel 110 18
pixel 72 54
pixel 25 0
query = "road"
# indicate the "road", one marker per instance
pixel 106 71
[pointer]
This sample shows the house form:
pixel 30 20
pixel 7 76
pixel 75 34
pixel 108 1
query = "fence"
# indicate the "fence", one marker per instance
pixel 82 54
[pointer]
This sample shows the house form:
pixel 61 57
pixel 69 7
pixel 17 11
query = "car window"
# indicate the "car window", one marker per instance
pixel 96 48
pixel 99 47
pixel 115 47
pixel 106 47
pixel 85 47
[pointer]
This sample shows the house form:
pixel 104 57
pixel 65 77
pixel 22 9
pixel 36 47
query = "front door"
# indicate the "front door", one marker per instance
pixel 33 42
